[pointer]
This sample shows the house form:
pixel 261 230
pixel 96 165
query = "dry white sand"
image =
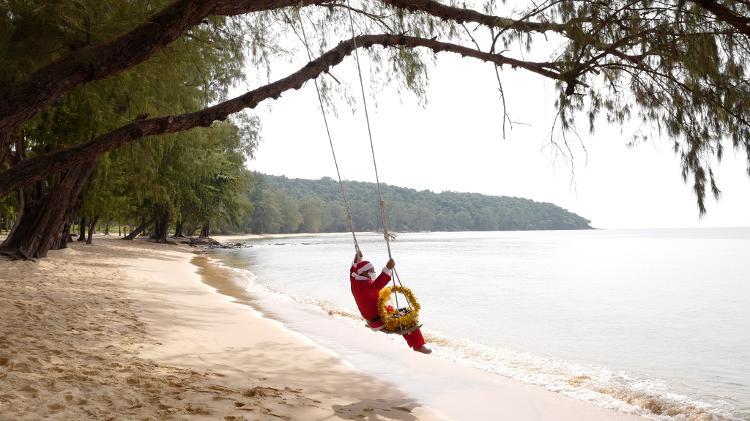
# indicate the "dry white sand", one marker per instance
pixel 126 330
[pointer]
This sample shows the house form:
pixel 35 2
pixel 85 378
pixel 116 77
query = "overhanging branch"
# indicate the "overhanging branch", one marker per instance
pixel 37 168
pixel 23 100
pixel 726 15
pixel 461 15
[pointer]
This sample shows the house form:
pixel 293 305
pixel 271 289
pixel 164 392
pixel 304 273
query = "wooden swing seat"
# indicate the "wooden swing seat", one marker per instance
pixel 404 331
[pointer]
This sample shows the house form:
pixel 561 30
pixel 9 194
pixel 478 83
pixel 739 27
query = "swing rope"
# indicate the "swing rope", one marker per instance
pixel 386 235
pixel 383 218
pixel 349 219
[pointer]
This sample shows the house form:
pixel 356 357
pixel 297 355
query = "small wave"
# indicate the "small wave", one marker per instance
pixel 654 405
pixel 603 387
pixel 248 280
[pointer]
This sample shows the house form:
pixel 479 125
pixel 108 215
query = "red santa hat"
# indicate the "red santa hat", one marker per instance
pixel 362 267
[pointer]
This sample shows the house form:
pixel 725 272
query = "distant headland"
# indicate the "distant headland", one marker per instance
pixel 282 205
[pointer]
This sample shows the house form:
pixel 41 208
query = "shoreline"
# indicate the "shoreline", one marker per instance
pixel 135 332
pixel 432 380
pixel 242 344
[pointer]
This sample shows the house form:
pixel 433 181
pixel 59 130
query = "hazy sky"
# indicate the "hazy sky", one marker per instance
pixel 455 143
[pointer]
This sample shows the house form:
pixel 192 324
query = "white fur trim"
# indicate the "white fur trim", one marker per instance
pixel 364 268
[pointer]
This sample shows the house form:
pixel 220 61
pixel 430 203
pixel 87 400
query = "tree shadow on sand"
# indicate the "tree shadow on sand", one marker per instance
pixel 377 410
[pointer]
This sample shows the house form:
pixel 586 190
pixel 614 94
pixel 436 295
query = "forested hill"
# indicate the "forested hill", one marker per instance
pixel 282 204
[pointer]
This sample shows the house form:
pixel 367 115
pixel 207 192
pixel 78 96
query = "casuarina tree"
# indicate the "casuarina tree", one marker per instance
pixel 679 66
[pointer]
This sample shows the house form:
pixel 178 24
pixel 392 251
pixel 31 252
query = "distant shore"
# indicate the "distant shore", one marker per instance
pixel 226 238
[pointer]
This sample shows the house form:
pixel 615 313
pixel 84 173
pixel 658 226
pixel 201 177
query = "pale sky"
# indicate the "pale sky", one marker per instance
pixel 455 143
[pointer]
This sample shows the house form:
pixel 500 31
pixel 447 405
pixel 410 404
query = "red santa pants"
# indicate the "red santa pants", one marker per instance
pixel 414 339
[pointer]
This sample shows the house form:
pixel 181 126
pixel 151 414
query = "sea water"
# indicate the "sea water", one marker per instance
pixel 654 322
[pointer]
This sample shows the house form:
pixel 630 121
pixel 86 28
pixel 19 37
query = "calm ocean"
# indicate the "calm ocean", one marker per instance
pixel 655 322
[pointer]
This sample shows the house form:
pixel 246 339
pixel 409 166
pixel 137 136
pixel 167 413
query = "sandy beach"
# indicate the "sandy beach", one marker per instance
pixel 127 330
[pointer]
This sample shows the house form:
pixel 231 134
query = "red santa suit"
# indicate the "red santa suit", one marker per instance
pixel 366 291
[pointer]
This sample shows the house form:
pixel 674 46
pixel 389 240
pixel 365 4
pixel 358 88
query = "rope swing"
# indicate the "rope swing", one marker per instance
pixel 398 320
pixel 369 134
pixel 349 219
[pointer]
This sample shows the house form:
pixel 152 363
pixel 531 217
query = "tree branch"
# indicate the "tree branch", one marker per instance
pixel 726 15
pixel 461 15
pixel 23 100
pixel 39 167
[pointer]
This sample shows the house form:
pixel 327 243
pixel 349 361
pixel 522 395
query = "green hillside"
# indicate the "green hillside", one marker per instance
pixel 284 205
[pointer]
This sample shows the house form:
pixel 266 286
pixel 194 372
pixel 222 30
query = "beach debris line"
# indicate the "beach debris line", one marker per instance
pixel 210 243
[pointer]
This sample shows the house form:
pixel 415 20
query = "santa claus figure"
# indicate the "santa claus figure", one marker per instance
pixel 366 289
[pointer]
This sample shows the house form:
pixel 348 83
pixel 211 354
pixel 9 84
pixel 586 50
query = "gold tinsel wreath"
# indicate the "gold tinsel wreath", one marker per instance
pixel 394 322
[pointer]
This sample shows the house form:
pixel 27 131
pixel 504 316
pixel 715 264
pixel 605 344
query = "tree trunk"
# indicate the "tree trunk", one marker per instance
pixel 82 229
pixel 65 237
pixel 106 228
pixel 154 234
pixel 163 228
pixel 19 215
pixel 178 230
pixel 43 220
pixel 19 156
pixel 92 227
pixel 205 230
pixel 139 229
pixel 21 207
pixel 5 142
